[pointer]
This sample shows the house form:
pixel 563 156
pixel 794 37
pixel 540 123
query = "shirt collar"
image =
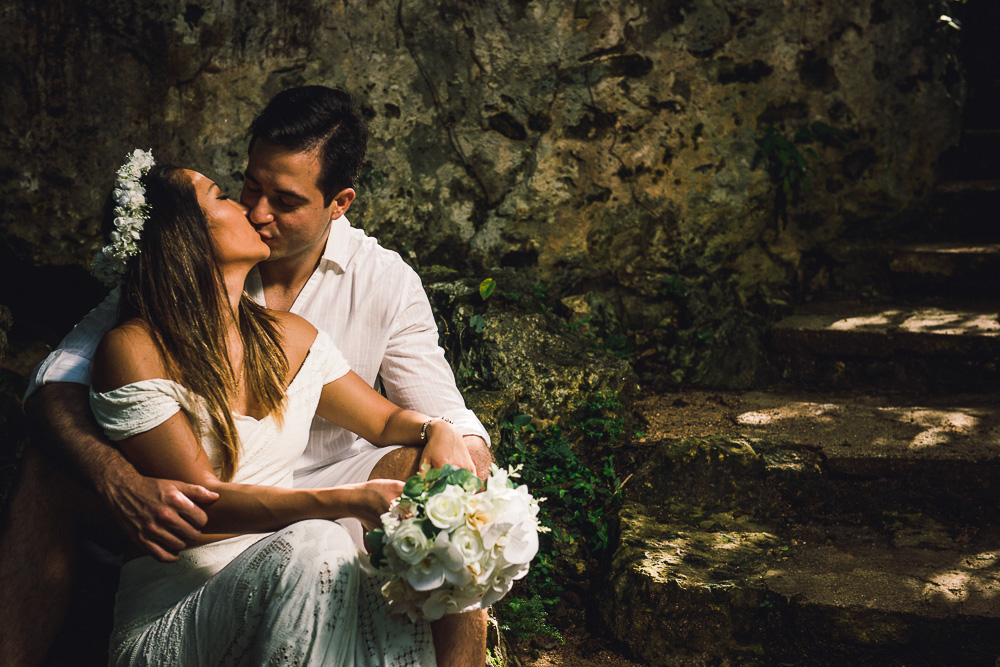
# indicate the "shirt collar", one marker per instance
pixel 337 251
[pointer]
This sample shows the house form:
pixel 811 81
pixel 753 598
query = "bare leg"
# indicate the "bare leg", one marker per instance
pixel 459 639
pixel 38 553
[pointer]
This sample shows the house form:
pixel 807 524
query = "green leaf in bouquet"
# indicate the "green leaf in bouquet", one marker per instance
pixel 414 487
pixel 432 474
pixel 376 540
pixel 447 469
pixel 430 530
pixel 439 485
pixel 466 479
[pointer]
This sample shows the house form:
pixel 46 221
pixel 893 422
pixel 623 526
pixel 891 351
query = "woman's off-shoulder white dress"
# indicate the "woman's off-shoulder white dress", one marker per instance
pixel 295 597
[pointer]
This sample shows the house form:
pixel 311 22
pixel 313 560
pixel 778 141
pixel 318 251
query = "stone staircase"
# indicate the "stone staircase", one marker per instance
pixel 848 515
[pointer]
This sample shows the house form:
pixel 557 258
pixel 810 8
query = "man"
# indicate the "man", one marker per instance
pixel 305 154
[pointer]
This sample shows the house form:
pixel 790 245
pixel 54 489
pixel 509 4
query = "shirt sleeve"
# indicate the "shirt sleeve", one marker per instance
pixel 70 361
pixel 414 371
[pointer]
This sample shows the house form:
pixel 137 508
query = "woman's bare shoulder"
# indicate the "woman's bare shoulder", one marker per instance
pixel 128 353
pixel 297 336
pixel 295 330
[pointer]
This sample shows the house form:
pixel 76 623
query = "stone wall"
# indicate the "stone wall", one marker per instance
pixel 610 147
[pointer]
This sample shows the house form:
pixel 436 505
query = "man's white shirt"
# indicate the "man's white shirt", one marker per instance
pixel 372 305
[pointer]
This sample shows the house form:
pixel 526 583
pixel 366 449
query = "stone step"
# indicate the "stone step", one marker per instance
pixel 977 156
pixel 861 600
pixel 846 450
pixel 832 460
pixel 888 269
pixel 941 268
pixel 938 456
pixel 825 456
pixel 963 209
pixel 853 344
pixel 740 593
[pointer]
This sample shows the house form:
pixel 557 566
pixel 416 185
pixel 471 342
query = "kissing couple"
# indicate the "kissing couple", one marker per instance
pixel 241 441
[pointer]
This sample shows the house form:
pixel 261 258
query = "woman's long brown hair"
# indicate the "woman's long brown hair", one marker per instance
pixel 175 286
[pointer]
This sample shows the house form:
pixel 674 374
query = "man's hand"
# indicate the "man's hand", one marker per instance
pixel 445 445
pixel 158 515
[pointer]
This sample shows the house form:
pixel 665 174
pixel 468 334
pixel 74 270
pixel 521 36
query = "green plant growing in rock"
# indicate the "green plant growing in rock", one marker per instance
pixel 579 500
pixel 786 162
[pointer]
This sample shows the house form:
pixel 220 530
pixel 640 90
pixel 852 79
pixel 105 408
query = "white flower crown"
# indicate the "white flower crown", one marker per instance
pixel 131 213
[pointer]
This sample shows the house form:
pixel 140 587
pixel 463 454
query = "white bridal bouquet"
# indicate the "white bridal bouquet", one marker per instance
pixel 448 548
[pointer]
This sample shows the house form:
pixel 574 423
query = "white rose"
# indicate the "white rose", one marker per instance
pixel 409 542
pixel 469 544
pixel 447 509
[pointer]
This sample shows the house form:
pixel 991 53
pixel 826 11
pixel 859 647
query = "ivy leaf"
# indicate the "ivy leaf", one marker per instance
pixel 521 421
pixel 486 288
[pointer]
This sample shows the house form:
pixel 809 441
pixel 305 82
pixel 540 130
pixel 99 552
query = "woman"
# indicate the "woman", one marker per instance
pixel 199 383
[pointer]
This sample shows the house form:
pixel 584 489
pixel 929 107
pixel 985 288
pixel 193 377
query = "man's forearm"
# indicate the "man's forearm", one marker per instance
pixel 64 426
pixel 160 516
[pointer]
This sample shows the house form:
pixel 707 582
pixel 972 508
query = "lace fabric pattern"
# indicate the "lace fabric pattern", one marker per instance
pixel 297 597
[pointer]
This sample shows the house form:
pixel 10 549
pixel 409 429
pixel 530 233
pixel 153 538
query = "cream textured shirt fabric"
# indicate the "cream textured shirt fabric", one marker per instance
pixel 372 306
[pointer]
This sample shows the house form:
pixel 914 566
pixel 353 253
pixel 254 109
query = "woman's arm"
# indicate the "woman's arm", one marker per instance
pixel 351 403
pixel 172 450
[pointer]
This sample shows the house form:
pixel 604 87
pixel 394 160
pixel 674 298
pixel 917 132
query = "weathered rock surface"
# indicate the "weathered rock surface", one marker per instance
pixel 681 595
pixel 612 146
pixel 824 529
pixel 517 346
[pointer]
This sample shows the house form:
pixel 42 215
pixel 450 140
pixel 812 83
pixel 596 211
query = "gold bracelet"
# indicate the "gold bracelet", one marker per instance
pixel 423 429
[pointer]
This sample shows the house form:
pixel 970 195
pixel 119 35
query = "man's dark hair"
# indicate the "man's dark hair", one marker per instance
pixel 316 117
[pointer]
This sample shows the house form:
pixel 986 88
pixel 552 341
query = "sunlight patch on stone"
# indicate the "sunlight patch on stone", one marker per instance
pixel 952 585
pixel 799 410
pixel 880 320
pixel 930 438
pixel 938 321
pixel 987 559
pixel 939 425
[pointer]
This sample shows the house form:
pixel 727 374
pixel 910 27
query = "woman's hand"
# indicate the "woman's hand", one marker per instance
pixel 445 445
pixel 370 500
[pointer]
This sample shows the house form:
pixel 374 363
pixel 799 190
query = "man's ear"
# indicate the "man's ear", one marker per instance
pixel 341 203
